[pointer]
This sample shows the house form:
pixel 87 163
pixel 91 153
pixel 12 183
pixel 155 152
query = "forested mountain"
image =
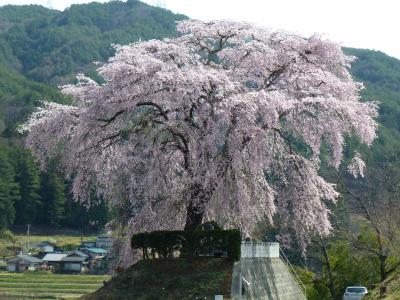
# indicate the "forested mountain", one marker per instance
pixel 55 46
pixel 41 48
pixel 380 75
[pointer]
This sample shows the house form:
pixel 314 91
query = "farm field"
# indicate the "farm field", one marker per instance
pixel 48 286
pixel 66 241
pixel 59 240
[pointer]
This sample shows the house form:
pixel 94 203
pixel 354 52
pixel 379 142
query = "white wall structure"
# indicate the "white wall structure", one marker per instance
pixel 261 274
pixel 251 249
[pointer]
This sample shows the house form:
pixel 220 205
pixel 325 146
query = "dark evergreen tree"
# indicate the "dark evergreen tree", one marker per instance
pixel 28 178
pixel 86 219
pixel 52 192
pixel 98 214
pixel 9 192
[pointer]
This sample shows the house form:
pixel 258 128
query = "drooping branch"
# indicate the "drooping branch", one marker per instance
pixel 162 112
pixel 112 118
pixel 274 76
pixel 184 149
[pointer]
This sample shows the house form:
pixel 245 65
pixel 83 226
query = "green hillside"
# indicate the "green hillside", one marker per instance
pixel 53 47
pixel 380 74
pixel 49 46
pixel 18 97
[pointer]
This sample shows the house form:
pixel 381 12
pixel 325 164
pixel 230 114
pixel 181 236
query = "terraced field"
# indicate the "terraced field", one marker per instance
pixel 48 286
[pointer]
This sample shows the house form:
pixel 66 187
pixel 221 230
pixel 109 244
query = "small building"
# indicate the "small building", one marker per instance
pixel 46 247
pixel 22 263
pixel 72 264
pixel 3 265
pixel 95 253
pixel 53 260
pixel 104 242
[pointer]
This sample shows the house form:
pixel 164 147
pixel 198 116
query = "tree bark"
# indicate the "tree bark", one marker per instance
pixel 382 257
pixel 195 209
pixel 331 283
pixel 194 217
pixel 382 266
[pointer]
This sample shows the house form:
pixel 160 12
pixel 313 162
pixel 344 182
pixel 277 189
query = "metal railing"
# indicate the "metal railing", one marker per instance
pixel 260 243
pixel 293 272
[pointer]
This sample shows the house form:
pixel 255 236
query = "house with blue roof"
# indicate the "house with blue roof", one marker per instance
pixel 95 253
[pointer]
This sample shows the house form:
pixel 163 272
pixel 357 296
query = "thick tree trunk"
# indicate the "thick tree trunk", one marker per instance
pixel 195 209
pixel 382 256
pixel 194 217
pixel 382 266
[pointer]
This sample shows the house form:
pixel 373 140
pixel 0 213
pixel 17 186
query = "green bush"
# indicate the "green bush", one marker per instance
pixel 165 243
pixel 200 242
pixel 233 243
pixel 140 241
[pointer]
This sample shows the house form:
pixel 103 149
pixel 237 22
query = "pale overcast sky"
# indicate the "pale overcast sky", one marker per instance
pixel 355 23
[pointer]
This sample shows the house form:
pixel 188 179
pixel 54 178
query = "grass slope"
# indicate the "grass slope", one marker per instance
pixel 179 278
pixel 393 288
pixel 47 286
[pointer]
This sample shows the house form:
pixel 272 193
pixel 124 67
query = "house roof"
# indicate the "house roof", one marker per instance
pixel 97 250
pixel 73 259
pixel 77 253
pixel 54 257
pixel 25 257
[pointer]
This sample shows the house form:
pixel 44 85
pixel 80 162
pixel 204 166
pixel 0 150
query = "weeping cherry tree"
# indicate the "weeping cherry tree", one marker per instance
pixel 224 123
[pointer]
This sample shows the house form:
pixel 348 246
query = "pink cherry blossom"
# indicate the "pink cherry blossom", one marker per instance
pixel 205 126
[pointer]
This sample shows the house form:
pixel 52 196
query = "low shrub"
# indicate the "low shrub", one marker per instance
pixel 201 242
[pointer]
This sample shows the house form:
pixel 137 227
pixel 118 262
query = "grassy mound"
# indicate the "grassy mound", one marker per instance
pixel 392 283
pixel 178 278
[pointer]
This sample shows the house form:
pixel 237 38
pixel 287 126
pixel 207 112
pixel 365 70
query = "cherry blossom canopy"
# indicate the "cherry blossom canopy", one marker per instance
pixel 208 126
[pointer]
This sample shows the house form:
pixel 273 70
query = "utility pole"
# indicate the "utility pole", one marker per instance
pixel 49 4
pixel 160 3
pixel 28 234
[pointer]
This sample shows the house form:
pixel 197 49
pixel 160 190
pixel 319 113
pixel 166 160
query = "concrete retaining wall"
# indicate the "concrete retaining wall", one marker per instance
pixel 262 275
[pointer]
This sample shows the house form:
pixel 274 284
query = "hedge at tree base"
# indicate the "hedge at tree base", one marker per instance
pixel 188 243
